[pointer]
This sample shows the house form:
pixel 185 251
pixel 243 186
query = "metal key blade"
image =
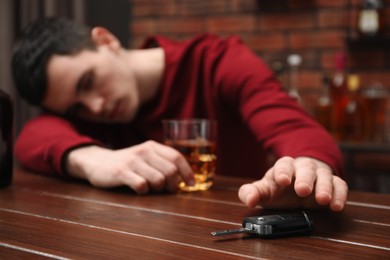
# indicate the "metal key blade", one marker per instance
pixel 230 231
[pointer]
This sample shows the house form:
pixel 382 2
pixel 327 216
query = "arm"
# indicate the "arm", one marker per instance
pixel 307 173
pixel 52 145
pixel 44 140
pixel 296 183
pixel 149 166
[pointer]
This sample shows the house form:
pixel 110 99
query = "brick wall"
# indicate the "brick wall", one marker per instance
pixel 315 29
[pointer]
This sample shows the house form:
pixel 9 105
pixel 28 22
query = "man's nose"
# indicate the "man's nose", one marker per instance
pixel 93 102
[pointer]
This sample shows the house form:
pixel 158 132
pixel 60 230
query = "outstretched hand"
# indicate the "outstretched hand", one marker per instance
pixel 300 182
pixel 149 166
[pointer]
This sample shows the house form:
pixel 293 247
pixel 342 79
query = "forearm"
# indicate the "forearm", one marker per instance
pixel 44 141
pixel 76 161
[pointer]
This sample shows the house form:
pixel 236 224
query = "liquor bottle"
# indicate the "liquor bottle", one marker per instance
pixel 370 18
pixel 339 95
pixel 323 109
pixel 6 139
pixel 355 113
pixel 279 70
pixel 376 97
pixel 294 61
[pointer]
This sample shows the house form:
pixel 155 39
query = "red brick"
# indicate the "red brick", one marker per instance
pixel 301 5
pixel 284 22
pixel 271 41
pixel 309 59
pixel 317 39
pixel 186 25
pixel 369 77
pixel 328 60
pixel 316 29
pixel 333 18
pixel 387 17
pixel 136 41
pixel 274 56
pixel 239 6
pixel 231 23
pixel 310 79
pixel 331 3
pixel 353 20
pixel 153 8
pixel 355 3
pixel 143 26
pixel 196 7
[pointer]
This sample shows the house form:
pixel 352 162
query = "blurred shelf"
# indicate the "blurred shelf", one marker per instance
pixel 374 42
pixel 367 166
pixel 364 147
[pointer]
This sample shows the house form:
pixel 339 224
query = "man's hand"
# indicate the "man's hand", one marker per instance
pixel 149 166
pixel 301 182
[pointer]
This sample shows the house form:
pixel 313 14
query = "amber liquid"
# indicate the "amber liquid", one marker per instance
pixel 338 89
pixel 355 125
pixel 323 116
pixel 376 106
pixel 6 121
pixel 201 155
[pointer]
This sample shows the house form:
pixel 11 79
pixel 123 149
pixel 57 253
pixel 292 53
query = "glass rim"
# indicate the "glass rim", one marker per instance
pixel 189 120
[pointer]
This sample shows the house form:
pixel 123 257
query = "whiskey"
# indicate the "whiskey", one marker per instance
pixel 201 156
pixel 339 96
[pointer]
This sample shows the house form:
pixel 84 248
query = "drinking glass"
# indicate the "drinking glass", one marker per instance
pixel 196 140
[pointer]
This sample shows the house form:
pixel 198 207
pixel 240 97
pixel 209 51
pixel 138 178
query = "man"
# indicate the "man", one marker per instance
pixel 104 106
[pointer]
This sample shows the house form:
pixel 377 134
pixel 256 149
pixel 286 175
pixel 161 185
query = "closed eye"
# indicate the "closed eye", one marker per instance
pixel 85 83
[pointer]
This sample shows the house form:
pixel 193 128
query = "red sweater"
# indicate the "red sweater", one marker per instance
pixel 205 77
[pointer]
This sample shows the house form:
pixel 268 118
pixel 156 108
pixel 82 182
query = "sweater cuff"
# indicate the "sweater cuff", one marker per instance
pixel 62 149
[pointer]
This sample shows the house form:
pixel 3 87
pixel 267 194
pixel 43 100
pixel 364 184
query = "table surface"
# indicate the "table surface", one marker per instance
pixel 44 217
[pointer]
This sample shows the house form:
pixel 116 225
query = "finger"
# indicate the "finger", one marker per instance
pixel 169 170
pixel 154 178
pixel 340 194
pixel 283 171
pixel 324 186
pixel 179 161
pixel 249 195
pixel 135 182
pixel 173 183
pixel 305 176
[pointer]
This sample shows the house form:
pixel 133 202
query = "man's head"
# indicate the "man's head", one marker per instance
pixel 69 68
pixel 38 42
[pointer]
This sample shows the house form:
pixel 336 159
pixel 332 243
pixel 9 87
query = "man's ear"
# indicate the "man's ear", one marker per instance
pixel 102 36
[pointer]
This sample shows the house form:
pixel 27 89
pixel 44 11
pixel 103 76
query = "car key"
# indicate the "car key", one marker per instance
pixel 269 226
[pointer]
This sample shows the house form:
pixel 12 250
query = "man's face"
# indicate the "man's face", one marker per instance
pixel 94 85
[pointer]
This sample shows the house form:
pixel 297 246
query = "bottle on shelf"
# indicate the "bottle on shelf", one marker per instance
pixel 370 18
pixel 294 61
pixel 355 113
pixel 376 98
pixel 339 95
pixel 280 72
pixel 323 109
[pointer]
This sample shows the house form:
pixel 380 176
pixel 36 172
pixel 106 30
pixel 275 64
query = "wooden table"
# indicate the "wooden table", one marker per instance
pixel 43 217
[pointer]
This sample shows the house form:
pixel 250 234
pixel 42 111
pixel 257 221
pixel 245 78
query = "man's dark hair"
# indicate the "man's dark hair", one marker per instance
pixel 37 43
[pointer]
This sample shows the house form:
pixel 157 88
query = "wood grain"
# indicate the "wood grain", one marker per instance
pixel 51 218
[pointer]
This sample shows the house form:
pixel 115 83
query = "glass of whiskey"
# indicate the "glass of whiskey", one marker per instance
pixel 196 140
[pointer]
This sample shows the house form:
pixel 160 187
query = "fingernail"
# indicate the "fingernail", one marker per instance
pixel 338 204
pixel 191 182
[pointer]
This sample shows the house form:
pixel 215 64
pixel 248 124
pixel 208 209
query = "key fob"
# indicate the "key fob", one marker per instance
pixel 271 226
pixel 279 225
